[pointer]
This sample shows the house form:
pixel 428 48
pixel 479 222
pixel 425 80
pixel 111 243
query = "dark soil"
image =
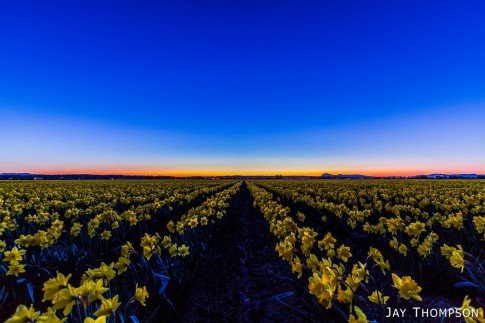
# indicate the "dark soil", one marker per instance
pixel 241 278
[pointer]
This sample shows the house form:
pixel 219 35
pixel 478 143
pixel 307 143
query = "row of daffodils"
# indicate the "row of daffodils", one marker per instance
pixel 98 251
pixel 359 273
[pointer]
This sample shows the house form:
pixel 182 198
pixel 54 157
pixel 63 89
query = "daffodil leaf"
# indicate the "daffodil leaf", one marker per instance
pixel 31 292
pixel 161 276
pixel 465 284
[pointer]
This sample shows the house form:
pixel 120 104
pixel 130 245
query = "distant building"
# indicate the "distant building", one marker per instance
pixel 38 178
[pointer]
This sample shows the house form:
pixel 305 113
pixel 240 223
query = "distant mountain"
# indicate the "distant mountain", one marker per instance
pixel 346 176
pixel 27 176
pixel 453 176
pixel 16 174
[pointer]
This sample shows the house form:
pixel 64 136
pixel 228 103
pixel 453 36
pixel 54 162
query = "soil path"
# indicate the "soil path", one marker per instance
pixel 241 278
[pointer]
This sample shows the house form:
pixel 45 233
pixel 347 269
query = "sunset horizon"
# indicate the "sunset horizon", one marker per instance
pixel 209 173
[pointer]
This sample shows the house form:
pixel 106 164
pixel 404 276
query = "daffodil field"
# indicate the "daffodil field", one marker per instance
pixel 100 251
pixel 362 246
pixel 124 251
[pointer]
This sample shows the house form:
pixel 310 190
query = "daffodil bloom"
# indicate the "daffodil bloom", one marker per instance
pixel 122 265
pixel 173 250
pixel 407 287
pixel 446 250
pixel 15 269
pixel 67 298
pixel 312 262
pixel 193 222
pixel 23 314
pixel 394 243
pixel 361 317
pixel 76 229
pixel 50 317
pixel 2 245
pixel 141 294
pixel 91 291
pixel 470 309
pixel 171 226
pixel 331 253
pixel 345 295
pixel 147 252
pixel 403 249
pixel 360 272
pixel 375 254
pixel 203 221
pixel 127 249
pixel 101 319
pixel 327 242
pixel 322 288
pixel 108 306
pixel 105 235
pixel 14 255
pixel 296 266
pixel 383 265
pixel 104 271
pixel 378 298
pixel 343 252
pixel 54 285
pixel 457 258
pixel 183 250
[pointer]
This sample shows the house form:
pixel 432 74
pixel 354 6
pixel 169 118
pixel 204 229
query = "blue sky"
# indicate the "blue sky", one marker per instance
pixel 190 87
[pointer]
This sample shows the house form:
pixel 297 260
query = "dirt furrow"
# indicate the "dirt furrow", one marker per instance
pixel 241 278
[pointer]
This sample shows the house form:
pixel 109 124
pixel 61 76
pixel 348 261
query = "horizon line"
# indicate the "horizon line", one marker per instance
pixel 243 173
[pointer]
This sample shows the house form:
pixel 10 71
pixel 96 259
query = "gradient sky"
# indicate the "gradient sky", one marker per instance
pixel 242 87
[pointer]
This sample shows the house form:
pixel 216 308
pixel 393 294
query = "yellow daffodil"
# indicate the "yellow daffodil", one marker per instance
pixel 76 229
pixel 183 251
pixel 50 317
pixel 343 252
pixel 328 242
pixel 104 272
pixel 54 285
pixel 101 319
pixel 127 249
pixel 345 295
pixel 15 269
pixel 403 249
pixel 312 262
pixel 91 290
pixel 296 266
pixel 384 265
pixel 322 288
pixel 14 255
pixel 141 294
pixel 468 312
pixel 378 298
pixel 457 258
pixel 122 265
pixel 361 317
pixel 23 315
pixel 105 235
pixel 108 306
pixel 407 287
pixel 67 298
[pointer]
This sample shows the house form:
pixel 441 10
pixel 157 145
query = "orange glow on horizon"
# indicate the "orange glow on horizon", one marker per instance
pixel 249 172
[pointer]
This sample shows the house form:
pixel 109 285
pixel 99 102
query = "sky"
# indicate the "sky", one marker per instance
pixel 242 87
